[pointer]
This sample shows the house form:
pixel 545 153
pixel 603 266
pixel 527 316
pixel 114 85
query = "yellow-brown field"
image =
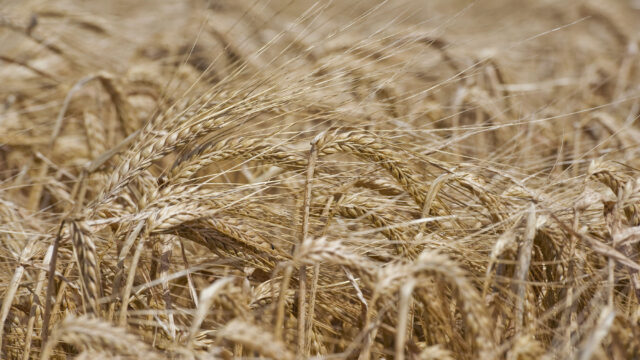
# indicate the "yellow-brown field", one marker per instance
pixel 403 179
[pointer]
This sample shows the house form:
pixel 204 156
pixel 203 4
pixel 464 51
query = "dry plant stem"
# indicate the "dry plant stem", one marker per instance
pixel 61 291
pixel 82 193
pixel 406 292
pixel 34 303
pixel 302 310
pixel 65 105
pixel 314 282
pixel 279 324
pixel 312 303
pixel 77 192
pixel 8 298
pixel 611 280
pixel 602 328
pixel 371 328
pixel 50 286
pixel 192 289
pixel 508 238
pixel 577 130
pixel 165 259
pixel 614 226
pixel 36 191
pixel 569 313
pixel 524 260
pixel 122 320
pixel 120 102
pixel 126 247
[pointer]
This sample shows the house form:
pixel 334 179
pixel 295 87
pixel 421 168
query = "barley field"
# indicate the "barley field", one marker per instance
pixel 294 179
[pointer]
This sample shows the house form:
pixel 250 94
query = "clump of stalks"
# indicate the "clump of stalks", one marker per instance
pixel 294 180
